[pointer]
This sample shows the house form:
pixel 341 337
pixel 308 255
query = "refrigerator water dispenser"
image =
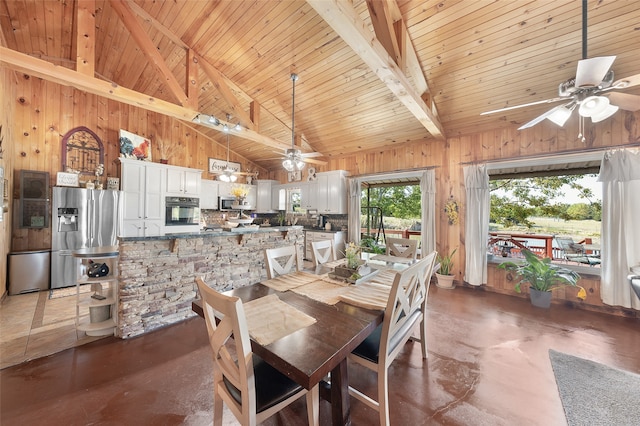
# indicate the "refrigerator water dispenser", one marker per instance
pixel 67 219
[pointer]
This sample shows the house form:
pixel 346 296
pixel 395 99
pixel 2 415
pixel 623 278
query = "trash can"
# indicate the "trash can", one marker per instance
pixel 28 271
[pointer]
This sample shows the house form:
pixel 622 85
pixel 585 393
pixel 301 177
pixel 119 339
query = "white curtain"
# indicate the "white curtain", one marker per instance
pixel 354 210
pixel 428 200
pixel 620 177
pixel 476 227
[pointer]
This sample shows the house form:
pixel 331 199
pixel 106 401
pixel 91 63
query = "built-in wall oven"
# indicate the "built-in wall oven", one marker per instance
pixel 182 211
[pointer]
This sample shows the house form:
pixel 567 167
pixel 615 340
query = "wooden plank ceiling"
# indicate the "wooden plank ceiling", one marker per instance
pixel 475 55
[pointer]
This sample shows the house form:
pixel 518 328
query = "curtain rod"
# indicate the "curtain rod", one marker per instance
pixel 554 154
pixel 396 172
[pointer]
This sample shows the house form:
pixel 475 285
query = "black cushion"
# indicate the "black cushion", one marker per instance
pixel 370 347
pixel 272 386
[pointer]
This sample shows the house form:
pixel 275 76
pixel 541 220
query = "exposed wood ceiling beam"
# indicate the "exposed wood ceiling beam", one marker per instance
pixel 149 50
pixel 66 77
pixel 344 20
pixel 85 37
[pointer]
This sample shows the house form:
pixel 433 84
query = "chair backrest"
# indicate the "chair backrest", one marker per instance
pixel 281 260
pixel 405 307
pixel 569 246
pixel 236 370
pixel 402 247
pixel 323 251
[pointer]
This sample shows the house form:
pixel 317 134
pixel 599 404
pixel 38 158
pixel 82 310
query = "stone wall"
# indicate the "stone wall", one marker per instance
pixel 157 276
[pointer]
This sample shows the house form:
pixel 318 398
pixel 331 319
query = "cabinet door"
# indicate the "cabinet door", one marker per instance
pixel 309 195
pixel 133 228
pixel 153 227
pixel 209 195
pixel 133 181
pixel 154 199
pixel 264 197
pixel 322 194
pixel 175 181
pixel 336 194
pixel 192 183
pixel 252 196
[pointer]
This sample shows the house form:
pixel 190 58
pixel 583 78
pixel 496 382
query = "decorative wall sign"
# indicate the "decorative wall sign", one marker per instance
pixel 82 151
pixel 218 166
pixel 134 146
pixel 67 179
pixel 113 183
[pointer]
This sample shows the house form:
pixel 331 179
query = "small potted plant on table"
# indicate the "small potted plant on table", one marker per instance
pixel 445 273
pixel 542 276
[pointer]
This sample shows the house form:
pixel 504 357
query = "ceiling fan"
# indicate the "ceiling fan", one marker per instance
pixel 294 160
pixel 591 91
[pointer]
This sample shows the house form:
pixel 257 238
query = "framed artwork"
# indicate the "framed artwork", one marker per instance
pixel 134 146
pixel 82 151
pixel 218 166
pixel 113 183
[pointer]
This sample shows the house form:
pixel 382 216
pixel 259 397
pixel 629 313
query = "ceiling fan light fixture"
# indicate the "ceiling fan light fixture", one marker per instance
pixel 237 127
pixel 593 105
pixel 213 120
pixel 608 112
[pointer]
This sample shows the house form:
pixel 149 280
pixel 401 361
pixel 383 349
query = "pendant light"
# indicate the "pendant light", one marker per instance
pixel 228 174
pixel 293 157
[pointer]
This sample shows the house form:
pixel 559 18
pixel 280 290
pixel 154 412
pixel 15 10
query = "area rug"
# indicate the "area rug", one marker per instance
pixel 595 394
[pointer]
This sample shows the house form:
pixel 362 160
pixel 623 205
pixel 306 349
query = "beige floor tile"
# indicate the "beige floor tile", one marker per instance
pixel 12 352
pixel 59 310
pixel 51 341
pixel 16 316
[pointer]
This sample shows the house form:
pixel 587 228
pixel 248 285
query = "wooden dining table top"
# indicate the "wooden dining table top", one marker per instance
pixel 309 354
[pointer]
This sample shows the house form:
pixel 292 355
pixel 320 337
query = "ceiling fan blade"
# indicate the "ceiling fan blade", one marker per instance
pixel 312 154
pixel 591 71
pixel 546 101
pixel 623 83
pixel 625 101
pixel 538 119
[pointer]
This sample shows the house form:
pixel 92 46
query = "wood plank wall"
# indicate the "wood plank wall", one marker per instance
pixel 6 161
pixel 42 112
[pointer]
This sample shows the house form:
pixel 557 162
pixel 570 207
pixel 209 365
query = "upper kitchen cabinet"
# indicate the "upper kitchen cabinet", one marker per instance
pixel 309 195
pixel 264 195
pixel 183 181
pixel 331 195
pixel 143 198
pixel 209 195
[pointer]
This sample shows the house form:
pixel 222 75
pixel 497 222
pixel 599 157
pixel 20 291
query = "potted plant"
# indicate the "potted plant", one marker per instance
pixel 445 273
pixel 542 276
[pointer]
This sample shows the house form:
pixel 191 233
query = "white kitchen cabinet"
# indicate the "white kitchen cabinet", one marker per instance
pixel 331 195
pixel 182 181
pixel 209 195
pixel 309 195
pixel 97 310
pixel 264 195
pixel 143 198
pixel 337 238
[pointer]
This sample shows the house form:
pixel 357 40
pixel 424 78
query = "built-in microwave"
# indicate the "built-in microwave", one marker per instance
pixel 182 211
pixel 226 203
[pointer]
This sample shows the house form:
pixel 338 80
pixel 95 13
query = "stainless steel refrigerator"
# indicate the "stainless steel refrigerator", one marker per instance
pixel 80 218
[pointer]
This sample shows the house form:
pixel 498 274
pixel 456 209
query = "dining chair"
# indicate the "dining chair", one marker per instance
pixel 251 388
pixel 323 251
pixel 402 247
pixel 281 260
pixel 405 308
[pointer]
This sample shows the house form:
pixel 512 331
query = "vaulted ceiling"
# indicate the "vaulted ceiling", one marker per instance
pixel 418 71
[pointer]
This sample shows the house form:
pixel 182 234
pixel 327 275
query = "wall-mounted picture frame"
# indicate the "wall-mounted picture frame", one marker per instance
pixel 67 179
pixel 134 146
pixel 218 166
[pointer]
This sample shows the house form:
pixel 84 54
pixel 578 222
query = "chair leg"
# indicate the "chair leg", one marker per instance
pixel 217 410
pixel 423 337
pixel 313 406
pixel 383 396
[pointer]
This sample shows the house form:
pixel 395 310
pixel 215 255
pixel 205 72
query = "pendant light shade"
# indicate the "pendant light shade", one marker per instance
pixel 293 158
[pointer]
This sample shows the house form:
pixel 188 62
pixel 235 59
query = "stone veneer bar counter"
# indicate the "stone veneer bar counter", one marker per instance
pixel 157 274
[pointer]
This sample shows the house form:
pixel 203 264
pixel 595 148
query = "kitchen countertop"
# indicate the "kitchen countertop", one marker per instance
pixel 214 233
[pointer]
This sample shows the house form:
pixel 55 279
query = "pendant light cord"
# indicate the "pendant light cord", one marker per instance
pixel 294 78
pixel 584 29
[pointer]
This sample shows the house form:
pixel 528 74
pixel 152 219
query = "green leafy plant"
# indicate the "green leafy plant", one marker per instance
pixel 281 217
pixel 369 245
pixel 446 263
pixel 543 275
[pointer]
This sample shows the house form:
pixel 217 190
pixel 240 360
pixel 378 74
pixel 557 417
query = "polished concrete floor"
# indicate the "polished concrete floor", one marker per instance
pixel 488 365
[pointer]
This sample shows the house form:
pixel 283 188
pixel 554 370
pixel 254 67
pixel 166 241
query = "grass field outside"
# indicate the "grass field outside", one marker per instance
pixel 578 229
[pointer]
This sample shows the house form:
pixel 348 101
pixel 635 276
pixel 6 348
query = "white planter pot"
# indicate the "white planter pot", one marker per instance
pixel 445 281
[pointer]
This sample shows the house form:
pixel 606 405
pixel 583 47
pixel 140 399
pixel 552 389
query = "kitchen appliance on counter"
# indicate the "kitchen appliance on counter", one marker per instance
pixel 226 203
pixel 182 211
pixel 80 218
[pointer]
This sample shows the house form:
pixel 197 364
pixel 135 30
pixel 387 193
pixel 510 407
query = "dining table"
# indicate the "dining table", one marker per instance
pixel 310 354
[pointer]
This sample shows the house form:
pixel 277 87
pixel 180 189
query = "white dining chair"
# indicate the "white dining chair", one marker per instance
pixel 323 251
pixel 281 260
pixel 406 307
pixel 252 389
pixel 402 247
